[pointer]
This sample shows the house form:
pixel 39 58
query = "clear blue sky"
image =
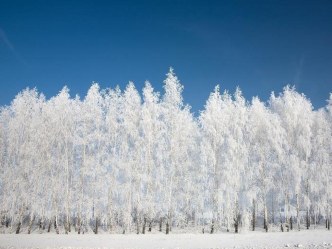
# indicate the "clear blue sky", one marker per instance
pixel 258 45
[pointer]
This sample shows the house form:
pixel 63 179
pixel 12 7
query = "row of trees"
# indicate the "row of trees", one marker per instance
pixel 122 161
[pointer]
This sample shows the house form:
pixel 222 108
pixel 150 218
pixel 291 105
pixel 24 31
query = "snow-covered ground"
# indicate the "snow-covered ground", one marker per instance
pixel 304 239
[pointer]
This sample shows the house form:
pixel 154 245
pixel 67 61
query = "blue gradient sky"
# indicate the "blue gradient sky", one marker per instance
pixel 258 45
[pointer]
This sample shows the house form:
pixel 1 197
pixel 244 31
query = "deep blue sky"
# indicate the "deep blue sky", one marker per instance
pixel 258 45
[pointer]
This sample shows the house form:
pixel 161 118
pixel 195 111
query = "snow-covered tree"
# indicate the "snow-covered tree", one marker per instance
pixel 121 161
pixel 295 112
pixel 265 138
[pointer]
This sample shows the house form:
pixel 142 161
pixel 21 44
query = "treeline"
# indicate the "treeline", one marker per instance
pixel 126 162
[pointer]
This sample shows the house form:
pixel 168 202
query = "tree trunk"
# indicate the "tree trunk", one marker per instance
pixel 236 225
pixel 308 219
pixel 273 210
pixel 67 221
pixel 237 222
pixel 227 228
pixel 96 225
pixel 40 224
pixel 281 223
pixel 110 224
pixel 212 227
pixel 66 225
pixel 18 227
pixel 32 217
pixel 265 219
pixel 167 228
pixel 160 224
pixel 110 207
pixel 253 214
pixel 19 222
pixel 150 226
pixel 298 211
pixel 49 226
pixel 287 211
pixel 6 221
pixel 291 223
pixel 56 227
pixel 144 225
pixel 79 225
pixel 137 225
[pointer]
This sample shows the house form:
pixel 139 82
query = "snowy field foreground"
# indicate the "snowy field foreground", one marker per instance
pixel 302 239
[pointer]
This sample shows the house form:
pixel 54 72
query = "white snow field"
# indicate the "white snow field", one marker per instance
pixel 295 239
